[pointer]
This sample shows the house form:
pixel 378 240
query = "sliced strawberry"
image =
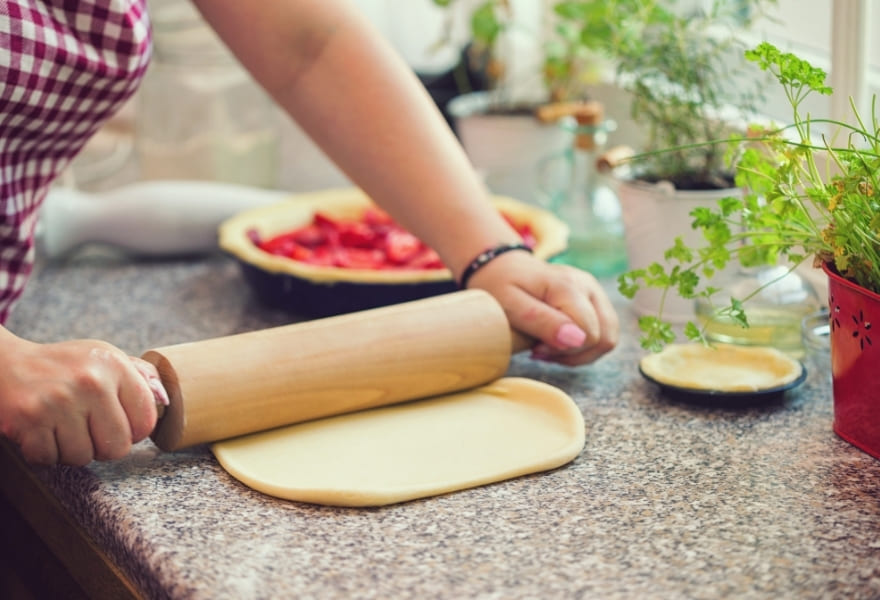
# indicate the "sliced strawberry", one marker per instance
pixel 355 234
pixel 311 235
pixel 425 259
pixel 360 258
pixel 324 220
pixel 323 256
pixel 401 246
pixel 374 241
pixel 301 253
pixel 280 245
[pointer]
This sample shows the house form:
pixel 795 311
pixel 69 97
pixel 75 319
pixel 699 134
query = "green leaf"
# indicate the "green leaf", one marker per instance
pixel 790 70
pixel 693 333
pixel 628 283
pixel 730 205
pixel 736 313
pixel 703 217
pixel 679 252
pixel 485 25
pixel 656 333
pixel 687 284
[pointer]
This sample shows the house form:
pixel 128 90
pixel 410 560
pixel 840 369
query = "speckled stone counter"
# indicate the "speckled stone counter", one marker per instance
pixel 666 500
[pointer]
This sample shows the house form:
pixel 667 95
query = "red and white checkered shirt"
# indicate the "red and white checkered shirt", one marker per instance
pixel 66 66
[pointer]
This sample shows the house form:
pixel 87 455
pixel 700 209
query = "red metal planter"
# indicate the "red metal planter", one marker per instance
pixel 855 362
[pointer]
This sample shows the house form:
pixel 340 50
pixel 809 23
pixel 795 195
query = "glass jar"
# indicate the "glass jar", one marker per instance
pixel 775 313
pixel 574 189
pixel 199 113
pixel 816 334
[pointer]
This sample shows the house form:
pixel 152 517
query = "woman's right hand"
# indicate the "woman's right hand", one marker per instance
pixel 76 401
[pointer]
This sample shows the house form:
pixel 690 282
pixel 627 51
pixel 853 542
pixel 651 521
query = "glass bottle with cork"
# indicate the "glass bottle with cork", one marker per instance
pixel 579 193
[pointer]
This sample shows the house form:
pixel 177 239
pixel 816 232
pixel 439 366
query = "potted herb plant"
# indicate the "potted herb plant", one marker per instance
pixel 812 194
pixel 680 72
pixel 560 67
pixel 511 67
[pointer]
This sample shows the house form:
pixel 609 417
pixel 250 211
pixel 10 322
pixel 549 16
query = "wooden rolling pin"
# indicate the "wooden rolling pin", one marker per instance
pixel 229 386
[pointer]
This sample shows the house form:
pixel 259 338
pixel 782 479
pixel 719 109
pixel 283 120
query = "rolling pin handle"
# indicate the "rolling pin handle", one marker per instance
pixel 520 342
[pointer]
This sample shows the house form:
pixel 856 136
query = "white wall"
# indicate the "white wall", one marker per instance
pixel 415 26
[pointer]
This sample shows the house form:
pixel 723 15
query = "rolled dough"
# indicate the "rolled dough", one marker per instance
pixel 511 427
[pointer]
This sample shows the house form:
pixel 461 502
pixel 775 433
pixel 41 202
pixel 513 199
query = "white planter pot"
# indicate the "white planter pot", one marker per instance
pixel 505 149
pixel 653 216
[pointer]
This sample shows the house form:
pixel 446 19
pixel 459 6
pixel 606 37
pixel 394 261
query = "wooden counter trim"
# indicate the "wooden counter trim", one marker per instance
pixel 48 526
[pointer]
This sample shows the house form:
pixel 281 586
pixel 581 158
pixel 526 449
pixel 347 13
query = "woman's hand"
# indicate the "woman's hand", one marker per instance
pixel 74 402
pixel 562 306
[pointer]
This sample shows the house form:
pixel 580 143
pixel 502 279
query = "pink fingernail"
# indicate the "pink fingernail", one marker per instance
pixel 570 336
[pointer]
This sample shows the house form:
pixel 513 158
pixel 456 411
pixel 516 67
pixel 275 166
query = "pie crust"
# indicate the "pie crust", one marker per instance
pixel 721 367
pixel 267 221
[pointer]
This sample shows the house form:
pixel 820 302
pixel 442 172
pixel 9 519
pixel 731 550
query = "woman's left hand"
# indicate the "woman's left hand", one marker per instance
pixel 563 307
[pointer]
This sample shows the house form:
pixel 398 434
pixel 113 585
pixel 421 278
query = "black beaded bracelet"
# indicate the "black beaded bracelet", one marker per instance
pixel 485 257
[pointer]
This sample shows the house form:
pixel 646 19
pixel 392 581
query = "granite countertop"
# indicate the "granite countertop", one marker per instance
pixel 667 500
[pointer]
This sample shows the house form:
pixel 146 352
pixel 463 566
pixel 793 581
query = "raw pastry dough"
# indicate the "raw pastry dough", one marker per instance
pixel 722 367
pixel 509 428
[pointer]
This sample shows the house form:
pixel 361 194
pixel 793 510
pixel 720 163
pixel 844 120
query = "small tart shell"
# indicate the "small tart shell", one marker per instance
pixel 721 367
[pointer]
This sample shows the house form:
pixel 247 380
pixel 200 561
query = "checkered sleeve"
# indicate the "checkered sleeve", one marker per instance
pixel 66 66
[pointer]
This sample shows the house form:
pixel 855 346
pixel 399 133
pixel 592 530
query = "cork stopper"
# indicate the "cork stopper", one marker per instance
pixel 614 157
pixel 553 111
pixel 588 115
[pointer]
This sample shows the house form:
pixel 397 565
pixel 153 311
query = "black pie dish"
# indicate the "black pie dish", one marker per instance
pixel 314 291
pixel 727 399
pixel 723 375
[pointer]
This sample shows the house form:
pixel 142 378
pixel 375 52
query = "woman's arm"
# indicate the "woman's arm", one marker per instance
pixel 348 89
pixel 322 61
